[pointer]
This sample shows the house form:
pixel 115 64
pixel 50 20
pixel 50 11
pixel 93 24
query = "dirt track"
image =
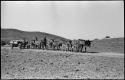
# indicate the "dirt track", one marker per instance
pixel 37 64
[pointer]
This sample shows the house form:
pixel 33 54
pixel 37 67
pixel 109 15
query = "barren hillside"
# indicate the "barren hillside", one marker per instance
pixel 103 45
pixel 108 45
pixel 10 34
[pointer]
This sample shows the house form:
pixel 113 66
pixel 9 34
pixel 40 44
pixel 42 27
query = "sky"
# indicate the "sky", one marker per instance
pixel 69 19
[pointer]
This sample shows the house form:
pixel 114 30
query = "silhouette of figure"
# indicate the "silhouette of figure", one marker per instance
pixel 45 42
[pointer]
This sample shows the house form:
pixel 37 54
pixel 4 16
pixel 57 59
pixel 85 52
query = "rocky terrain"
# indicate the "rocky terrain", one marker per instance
pixel 42 64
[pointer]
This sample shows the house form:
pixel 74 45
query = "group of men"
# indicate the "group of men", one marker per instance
pixel 53 44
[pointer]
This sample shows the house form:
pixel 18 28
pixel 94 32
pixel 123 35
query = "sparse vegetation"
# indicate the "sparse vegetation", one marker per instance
pixel 40 64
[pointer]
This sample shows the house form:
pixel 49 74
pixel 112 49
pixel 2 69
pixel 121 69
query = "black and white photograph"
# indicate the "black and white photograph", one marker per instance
pixel 62 39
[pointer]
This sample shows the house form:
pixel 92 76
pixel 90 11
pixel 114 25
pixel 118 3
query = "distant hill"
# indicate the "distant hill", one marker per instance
pixel 108 45
pixel 11 34
pixel 103 45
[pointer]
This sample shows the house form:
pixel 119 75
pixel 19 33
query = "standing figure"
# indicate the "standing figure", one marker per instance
pixel 43 43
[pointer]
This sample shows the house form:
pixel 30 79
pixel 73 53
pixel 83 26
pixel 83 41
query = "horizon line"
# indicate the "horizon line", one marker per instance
pixel 62 36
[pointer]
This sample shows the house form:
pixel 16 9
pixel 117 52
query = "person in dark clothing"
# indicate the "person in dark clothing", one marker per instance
pixel 45 42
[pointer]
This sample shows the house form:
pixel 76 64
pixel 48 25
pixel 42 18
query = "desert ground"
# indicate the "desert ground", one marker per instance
pixel 47 64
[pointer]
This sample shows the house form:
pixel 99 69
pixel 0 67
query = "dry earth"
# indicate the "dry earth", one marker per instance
pixel 39 64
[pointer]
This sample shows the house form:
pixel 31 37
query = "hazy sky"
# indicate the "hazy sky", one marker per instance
pixel 69 19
